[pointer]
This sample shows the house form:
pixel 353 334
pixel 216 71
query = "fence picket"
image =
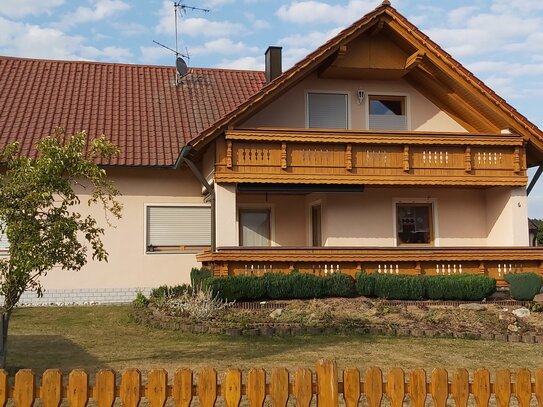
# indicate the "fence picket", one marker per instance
pixel 396 387
pixel 417 387
pixel 373 387
pixel 279 387
pixel 78 388
pixel 460 387
pixel 23 393
pixel 182 387
pixel 231 388
pixel 327 384
pixel 538 387
pixel 51 388
pixel 4 389
pixel 523 387
pixel 351 387
pixel 303 387
pixel 104 388
pixel 481 387
pixel 130 390
pixel 256 387
pixel 157 387
pixel 207 387
pixel 439 387
pixel 502 387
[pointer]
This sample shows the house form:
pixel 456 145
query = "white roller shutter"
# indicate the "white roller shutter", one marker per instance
pixel 178 226
pixel 327 110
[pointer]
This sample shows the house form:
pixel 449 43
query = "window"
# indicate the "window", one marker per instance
pixel 387 113
pixel 255 227
pixel 4 244
pixel 178 228
pixel 414 223
pixel 327 110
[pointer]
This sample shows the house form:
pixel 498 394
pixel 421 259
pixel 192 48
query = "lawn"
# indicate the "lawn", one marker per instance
pixel 104 337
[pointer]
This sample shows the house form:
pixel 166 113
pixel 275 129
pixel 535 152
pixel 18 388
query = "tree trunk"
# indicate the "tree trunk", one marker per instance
pixel 4 325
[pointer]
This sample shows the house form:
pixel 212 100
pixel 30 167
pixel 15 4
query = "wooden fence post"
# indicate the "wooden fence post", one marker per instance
pixel 439 387
pixel 373 386
pixel 417 387
pixel 460 387
pixel 157 387
pixel 327 384
pixel 207 387
pixel 481 387
pixel 396 387
pixel 303 387
pixel 538 387
pixel 231 388
pixel 130 389
pixel 502 387
pixel 351 387
pixel 51 388
pixel 78 388
pixel 104 388
pixel 3 388
pixel 523 387
pixel 279 387
pixel 23 393
pixel 256 387
pixel 182 387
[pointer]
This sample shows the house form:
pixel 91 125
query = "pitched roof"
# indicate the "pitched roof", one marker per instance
pixel 495 107
pixel 137 107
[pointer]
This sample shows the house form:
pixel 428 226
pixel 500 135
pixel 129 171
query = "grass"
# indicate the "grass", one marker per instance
pixel 104 337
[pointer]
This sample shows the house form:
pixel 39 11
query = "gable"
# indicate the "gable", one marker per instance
pixel 426 67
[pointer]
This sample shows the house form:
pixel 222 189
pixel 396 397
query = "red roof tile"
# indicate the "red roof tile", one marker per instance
pixel 137 107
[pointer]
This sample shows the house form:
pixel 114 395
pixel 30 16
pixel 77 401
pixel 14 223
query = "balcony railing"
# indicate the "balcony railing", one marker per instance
pixel 492 261
pixel 369 157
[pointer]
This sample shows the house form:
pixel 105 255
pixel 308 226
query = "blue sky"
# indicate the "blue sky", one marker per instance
pixel 500 41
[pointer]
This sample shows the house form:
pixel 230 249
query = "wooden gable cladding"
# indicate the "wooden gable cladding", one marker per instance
pixel 370 158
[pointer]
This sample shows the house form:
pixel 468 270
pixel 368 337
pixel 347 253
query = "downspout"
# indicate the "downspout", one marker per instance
pixel 183 158
pixel 535 178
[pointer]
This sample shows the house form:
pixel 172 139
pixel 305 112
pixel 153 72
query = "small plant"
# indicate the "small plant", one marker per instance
pixel 534 306
pixel 197 305
pixel 141 300
pixel 165 291
pixel 198 276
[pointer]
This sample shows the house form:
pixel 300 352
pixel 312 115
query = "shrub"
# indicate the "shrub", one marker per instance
pixel 165 291
pixel 523 286
pixel 141 300
pixel 400 287
pixel 235 288
pixel 197 305
pixel 469 287
pixel 198 275
pixel 339 285
pixel 365 284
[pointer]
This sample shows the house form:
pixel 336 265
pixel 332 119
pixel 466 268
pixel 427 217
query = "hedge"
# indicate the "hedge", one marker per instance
pixel 404 287
pixel 523 286
pixel 198 275
pixel 294 285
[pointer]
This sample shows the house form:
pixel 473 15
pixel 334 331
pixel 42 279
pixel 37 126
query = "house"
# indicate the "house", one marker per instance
pixel 377 152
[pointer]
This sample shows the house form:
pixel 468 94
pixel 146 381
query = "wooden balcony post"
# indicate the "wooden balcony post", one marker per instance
pixel 283 156
pixel 482 268
pixel 516 160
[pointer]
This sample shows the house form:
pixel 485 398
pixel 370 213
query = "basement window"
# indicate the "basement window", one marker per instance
pixel 183 228
pixel 387 113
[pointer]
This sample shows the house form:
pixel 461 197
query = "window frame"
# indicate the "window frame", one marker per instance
pixel 192 249
pixel 269 207
pixel 399 95
pixel 347 95
pixel 432 223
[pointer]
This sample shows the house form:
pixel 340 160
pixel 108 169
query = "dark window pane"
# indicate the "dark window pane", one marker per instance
pixel 414 224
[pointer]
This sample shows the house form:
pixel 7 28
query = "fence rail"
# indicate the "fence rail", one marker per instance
pixel 300 385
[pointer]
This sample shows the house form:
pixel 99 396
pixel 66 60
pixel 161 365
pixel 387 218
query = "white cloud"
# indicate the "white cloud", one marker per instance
pixel 250 63
pixel 110 54
pixel 318 12
pixel 153 54
pixel 256 23
pixel 101 9
pixel 223 46
pixel 21 8
pixel 130 29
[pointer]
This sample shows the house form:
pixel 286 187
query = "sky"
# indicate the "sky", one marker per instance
pixel 500 41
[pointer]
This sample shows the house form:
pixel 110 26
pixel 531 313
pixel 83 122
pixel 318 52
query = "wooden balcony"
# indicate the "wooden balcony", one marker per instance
pixel 492 261
pixel 370 158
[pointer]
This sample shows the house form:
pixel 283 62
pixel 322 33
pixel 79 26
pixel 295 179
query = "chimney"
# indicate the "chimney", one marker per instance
pixel 273 63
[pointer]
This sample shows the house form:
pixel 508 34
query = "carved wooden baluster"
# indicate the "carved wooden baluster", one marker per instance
pixel 228 153
pixel 349 157
pixel 283 156
pixel 516 160
pixel 406 158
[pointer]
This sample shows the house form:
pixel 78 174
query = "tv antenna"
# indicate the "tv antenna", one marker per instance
pixel 180 65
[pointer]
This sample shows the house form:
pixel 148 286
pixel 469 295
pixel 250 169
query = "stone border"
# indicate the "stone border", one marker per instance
pixel 156 320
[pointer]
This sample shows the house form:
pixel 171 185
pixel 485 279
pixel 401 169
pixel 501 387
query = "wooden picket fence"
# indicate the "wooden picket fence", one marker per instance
pixel 301 387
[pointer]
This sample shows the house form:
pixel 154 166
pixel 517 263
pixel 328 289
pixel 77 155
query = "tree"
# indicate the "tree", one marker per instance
pixel 39 213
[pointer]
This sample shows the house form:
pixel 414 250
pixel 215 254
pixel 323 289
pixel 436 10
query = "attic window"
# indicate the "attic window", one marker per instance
pixel 327 110
pixel 387 113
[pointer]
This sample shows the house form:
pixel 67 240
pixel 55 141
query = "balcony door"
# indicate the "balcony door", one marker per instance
pixel 255 227
pixel 316 228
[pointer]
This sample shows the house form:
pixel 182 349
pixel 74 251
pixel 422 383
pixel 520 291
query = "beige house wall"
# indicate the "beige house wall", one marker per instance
pixel 289 110
pixel 507 216
pixel 128 265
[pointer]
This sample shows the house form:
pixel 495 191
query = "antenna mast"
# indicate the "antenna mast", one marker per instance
pixel 180 7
